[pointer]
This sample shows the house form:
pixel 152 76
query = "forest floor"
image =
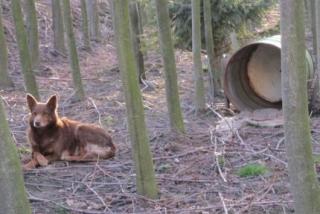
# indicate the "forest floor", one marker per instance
pixel 197 172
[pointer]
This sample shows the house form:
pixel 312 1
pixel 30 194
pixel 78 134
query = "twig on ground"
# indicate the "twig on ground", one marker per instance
pixel 99 197
pixel 213 140
pixel 280 142
pixel 97 110
pixel 200 149
pixel 223 203
pixel 235 132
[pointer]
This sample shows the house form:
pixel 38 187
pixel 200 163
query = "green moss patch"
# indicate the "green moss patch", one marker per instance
pixel 252 170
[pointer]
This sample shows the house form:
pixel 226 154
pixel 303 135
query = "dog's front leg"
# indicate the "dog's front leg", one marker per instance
pixel 33 163
pixel 42 160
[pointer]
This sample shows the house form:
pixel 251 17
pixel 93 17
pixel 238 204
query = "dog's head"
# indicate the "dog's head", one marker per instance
pixel 42 114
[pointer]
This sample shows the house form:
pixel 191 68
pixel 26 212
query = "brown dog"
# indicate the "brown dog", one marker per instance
pixel 53 138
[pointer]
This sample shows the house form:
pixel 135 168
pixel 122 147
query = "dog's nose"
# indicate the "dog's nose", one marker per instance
pixel 37 123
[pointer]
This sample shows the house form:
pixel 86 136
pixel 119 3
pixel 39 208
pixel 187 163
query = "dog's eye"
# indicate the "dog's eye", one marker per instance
pixel 34 113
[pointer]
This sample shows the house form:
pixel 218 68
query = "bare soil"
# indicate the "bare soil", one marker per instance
pixel 196 172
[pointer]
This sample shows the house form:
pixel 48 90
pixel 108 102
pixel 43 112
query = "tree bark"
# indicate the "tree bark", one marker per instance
pixel 25 59
pixel 13 198
pixel 85 26
pixel 214 76
pixel 5 80
pixel 315 99
pixel 136 29
pixel 302 176
pixel 32 31
pixel 169 63
pixel 57 27
pixel 72 49
pixel 314 25
pixel 93 18
pixel 234 42
pixel 146 184
pixel 200 103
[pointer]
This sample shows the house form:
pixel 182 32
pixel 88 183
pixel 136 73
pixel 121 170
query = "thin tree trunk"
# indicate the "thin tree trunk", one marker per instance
pixel 302 176
pixel 13 198
pixel 142 22
pixel 200 102
pixel 140 10
pixel 32 31
pixel 315 99
pixel 214 87
pixel 73 54
pixel 314 25
pixel 135 29
pixel 25 59
pixel 5 80
pixel 97 22
pixel 93 18
pixel 57 27
pixel 169 63
pixel 234 42
pixel 85 26
pixel 145 179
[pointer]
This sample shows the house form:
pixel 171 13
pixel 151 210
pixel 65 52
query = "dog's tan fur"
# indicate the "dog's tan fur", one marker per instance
pixel 53 138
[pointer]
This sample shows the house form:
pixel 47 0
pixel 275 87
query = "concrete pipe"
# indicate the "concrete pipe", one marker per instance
pixel 252 77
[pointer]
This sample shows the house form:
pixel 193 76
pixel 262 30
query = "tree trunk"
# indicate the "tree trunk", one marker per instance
pixel 85 26
pixel 5 80
pixel 145 179
pixel 72 49
pixel 93 18
pixel 200 102
pixel 214 76
pixel 169 63
pixel 25 59
pixel 314 25
pixel 136 29
pixel 13 198
pixel 234 42
pixel 302 176
pixel 315 99
pixel 32 31
pixel 57 27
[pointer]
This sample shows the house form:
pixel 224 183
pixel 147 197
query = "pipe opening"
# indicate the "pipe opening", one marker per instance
pixel 253 75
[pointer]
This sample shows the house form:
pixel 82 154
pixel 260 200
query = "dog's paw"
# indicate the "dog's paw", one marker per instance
pixel 42 160
pixel 26 168
pixel 30 165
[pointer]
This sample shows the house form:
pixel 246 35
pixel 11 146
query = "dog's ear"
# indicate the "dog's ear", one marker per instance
pixel 32 102
pixel 52 103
